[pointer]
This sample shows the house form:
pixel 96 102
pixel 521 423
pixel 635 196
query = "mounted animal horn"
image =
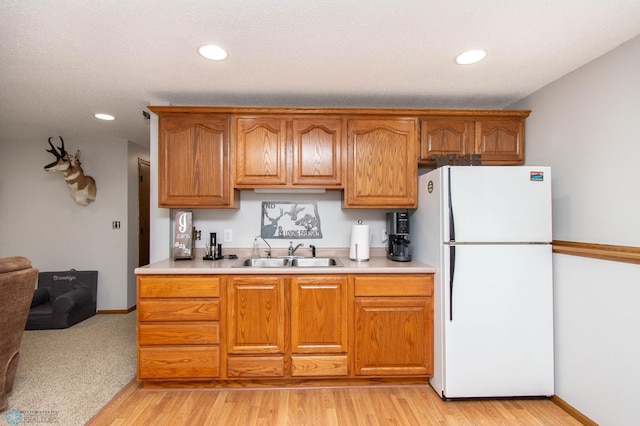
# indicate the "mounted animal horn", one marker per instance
pixel 54 152
pixel 83 188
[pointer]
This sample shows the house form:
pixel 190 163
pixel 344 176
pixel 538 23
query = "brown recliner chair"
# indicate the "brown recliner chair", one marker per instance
pixel 17 281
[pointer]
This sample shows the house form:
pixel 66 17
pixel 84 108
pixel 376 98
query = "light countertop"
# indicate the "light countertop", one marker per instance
pixel 377 264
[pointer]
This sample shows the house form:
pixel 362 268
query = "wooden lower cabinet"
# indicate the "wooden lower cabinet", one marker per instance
pixel 178 327
pixel 393 326
pixel 255 325
pixel 306 327
pixel 319 326
pixel 273 320
pixel 256 315
pixel 319 314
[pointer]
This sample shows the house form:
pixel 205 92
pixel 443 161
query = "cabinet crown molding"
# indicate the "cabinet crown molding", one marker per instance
pixel 483 113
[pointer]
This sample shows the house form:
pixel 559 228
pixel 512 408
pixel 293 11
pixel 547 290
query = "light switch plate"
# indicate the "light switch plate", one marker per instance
pixel 228 236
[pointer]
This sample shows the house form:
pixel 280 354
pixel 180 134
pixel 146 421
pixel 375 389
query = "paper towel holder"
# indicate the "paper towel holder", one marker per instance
pixel 360 242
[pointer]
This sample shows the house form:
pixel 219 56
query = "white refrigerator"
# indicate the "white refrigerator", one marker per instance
pixel 487 232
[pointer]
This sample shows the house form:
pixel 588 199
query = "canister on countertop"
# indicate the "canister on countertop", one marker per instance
pixel 183 236
pixel 360 242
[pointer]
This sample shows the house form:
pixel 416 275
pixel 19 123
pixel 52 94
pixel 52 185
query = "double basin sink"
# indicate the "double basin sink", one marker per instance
pixel 286 262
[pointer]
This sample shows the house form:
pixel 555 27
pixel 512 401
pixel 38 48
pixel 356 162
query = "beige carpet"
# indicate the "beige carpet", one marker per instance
pixel 66 376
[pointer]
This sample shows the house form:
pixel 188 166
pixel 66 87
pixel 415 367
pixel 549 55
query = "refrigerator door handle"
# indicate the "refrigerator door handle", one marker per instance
pixel 452 247
pixel 452 269
pixel 452 225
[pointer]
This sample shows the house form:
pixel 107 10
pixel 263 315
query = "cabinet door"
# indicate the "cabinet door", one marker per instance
pixel 317 152
pixel 382 164
pixel 261 150
pixel 500 142
pixel 319 314
pixel 443 136
pixel 255 315
pixel 393 336
pixel 193 161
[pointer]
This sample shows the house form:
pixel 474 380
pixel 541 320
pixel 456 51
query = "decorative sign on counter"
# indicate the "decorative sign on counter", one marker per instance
pixel 290 220
pixel 183 236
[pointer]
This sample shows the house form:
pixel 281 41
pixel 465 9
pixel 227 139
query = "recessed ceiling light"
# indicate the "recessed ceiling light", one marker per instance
pixel 212 52
pixel 470 57
pixel 107 117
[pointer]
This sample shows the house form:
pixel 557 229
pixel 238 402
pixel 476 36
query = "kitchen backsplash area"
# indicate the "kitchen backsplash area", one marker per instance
pixel 242 225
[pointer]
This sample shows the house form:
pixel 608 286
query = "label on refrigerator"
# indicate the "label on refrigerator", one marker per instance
pixel 537 176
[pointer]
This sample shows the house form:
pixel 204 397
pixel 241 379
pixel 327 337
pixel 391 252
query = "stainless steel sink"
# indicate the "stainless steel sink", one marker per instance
pixel 315 261
pixel 262 263
pixel 284 262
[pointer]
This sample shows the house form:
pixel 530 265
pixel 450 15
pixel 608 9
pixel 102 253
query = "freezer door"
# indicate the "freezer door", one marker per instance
pixel 499 204
pixel 498 322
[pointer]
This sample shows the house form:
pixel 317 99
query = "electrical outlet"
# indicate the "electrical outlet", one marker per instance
pixel 228 236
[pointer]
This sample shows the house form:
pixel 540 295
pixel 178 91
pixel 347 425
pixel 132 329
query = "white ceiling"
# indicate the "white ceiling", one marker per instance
pixel 61 61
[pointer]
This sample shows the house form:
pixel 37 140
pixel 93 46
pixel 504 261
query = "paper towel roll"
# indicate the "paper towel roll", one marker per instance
pixel 360 242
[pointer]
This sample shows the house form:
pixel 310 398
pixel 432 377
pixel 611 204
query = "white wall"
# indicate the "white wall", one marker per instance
pixel 40 220
pixel 245 222
pixel 585 126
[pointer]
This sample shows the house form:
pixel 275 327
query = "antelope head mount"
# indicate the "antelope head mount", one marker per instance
pixel 83 188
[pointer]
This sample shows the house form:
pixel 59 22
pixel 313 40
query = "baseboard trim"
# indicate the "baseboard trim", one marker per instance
pixel 117 311
pixel 572 411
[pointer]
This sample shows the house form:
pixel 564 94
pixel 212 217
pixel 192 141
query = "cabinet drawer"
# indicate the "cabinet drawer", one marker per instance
pixel 179 310
pixel 319 365
pixel 178 362
pixel 178 286
pixel 255 366
pixel 179 334
pixel 393 285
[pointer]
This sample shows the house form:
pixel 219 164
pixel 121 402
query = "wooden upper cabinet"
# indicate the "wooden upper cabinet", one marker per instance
pixel 497 139
pixel 288 151
pixel 446 136
pixel 193 161
pixel 382 166
pixel 317 151
pixel 261 151
pixel 500 141
pixel 207 154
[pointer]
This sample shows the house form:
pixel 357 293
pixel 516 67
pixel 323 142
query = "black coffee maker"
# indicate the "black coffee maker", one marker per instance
pixel 398 234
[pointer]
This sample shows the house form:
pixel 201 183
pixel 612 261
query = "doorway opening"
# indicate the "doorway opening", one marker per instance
pixel 144 221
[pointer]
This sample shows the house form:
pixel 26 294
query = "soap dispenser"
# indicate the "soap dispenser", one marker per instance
pixel 255 254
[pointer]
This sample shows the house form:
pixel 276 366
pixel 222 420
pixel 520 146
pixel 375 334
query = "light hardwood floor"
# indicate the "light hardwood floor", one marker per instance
pixel 367 406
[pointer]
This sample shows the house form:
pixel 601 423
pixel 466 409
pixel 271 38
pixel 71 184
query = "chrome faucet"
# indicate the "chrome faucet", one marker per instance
pixel 293 249
pixel 265 241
